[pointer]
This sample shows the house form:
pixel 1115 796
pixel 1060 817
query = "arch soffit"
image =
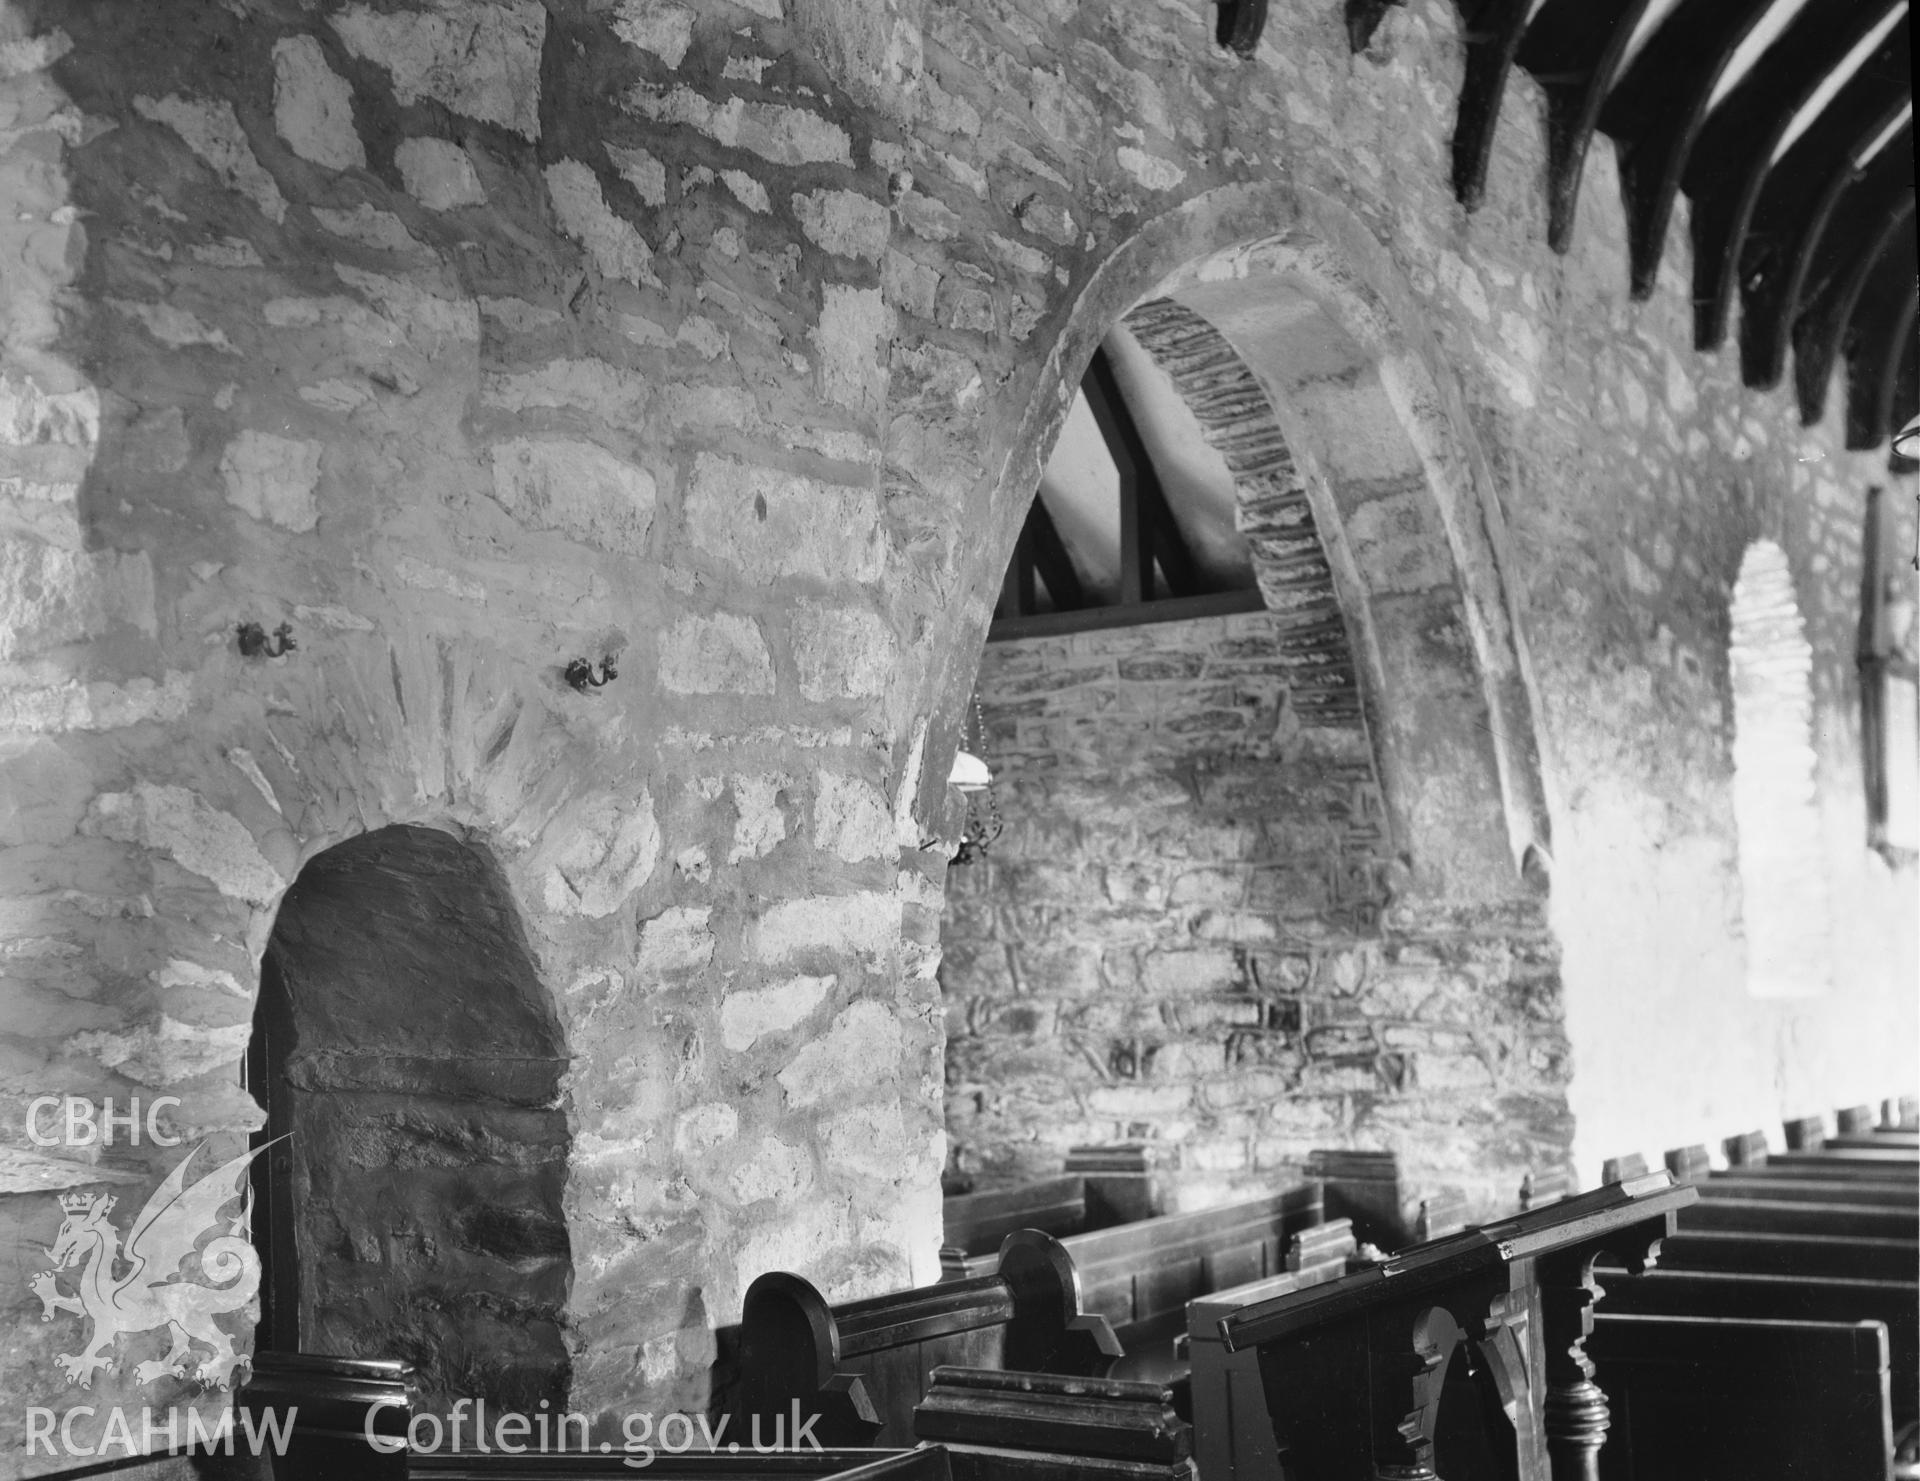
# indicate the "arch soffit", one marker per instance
pixel 1249 258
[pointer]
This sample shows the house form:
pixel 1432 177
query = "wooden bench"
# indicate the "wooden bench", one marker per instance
pixel 1857 1127
pixel 973 1224
pixel 862 1366
pixel 1538 1189
pixel 1749 1154
pixel 1778 1216
pixel 1101 1186
pixel 1000 1426
pixel 691 1465
pixel 1895 1304
pixel 1818 1206
pixel 1718 1399
pixel 1877 1140
pixel 985 1426
pixel 1233 1437
pixel 1355 1371
pixel 1141 1276
pixel 1856 1133
pixel 1791 1254
pixel 1738 1183
pixel 329 1405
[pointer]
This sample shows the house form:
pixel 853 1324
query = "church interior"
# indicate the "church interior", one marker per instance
pixel 1163 741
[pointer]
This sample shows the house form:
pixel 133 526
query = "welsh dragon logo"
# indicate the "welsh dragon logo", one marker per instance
pixel 142 1286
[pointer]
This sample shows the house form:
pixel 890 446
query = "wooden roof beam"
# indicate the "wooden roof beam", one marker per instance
pixel 1493 33
pixel 1574 49
pixel 1732 161
pixel 1656 113
pixel 1781 273
pixel 1051 560
pixel 1818 331
pixel 1148 531
pixel 1878 339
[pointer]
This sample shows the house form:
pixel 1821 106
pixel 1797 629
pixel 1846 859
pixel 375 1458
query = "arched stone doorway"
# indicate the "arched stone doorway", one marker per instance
pixel 411 1066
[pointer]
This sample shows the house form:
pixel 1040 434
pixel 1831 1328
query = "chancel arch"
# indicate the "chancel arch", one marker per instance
pixel 411 1066
pixel 1273 880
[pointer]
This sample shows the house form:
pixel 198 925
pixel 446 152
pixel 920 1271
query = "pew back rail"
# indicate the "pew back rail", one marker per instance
pixel 1355 1370
pixel 861 1367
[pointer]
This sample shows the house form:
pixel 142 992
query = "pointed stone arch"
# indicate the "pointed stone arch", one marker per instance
pixel 1379 547
pixel 1403 502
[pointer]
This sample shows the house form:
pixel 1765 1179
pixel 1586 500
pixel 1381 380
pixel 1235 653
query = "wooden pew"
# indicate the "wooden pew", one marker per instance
pixel 975 1223
pixel 1810 1134
pixel 1227 1236
pixel 1857 1127
pixel 1777 1216
pixel 1441 1213
pixel 1819 1207
pixel 1831 1279
pixel 985 1426
pixel 1538 1189
pixel 1754 1180
pixel 1866 1162
pixel 1791 1254
pixel 1905 1141
pixel 863 1366
pixel 1233 1437
pixel 999 1426
pixel 1355 1371
pixel 1737 1183
pixel 1719 1293
pixel 1719 1399
pixel 931 1464
pixel 1101 1186
pixel 1140 1275
pixel 1748 1154
pixel 331 1404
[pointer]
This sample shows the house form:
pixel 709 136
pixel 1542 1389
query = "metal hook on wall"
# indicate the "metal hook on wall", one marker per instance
pixel 581 674
pixel 254 642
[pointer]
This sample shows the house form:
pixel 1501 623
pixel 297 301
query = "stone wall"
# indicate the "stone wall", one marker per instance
pixel 469 339
pixel 1186 934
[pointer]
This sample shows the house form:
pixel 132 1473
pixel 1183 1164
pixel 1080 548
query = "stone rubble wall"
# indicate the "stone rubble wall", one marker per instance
pixel 470 337
pixel 1186 934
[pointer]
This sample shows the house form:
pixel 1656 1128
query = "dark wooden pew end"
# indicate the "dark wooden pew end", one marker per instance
pixel 1066 1427
pixel 861 1366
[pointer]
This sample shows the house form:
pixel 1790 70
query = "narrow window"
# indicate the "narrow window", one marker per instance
pixel 1782 882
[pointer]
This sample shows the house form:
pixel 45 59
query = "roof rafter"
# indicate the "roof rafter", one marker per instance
pixel 1779 272
pixel 1656 112
pixel 1877 340
pixel 1158 536
pixel 1818 332
pixel 1493 37
pixel 1731 174
pixel 1574 49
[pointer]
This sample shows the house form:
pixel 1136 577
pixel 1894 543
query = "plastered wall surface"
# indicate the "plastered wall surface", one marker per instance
pixel 726 341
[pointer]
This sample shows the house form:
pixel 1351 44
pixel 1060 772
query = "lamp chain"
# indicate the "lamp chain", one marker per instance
pixel 980 832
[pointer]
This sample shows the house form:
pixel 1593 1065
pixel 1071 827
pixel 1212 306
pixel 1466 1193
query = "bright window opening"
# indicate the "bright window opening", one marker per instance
pixel 1783 885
